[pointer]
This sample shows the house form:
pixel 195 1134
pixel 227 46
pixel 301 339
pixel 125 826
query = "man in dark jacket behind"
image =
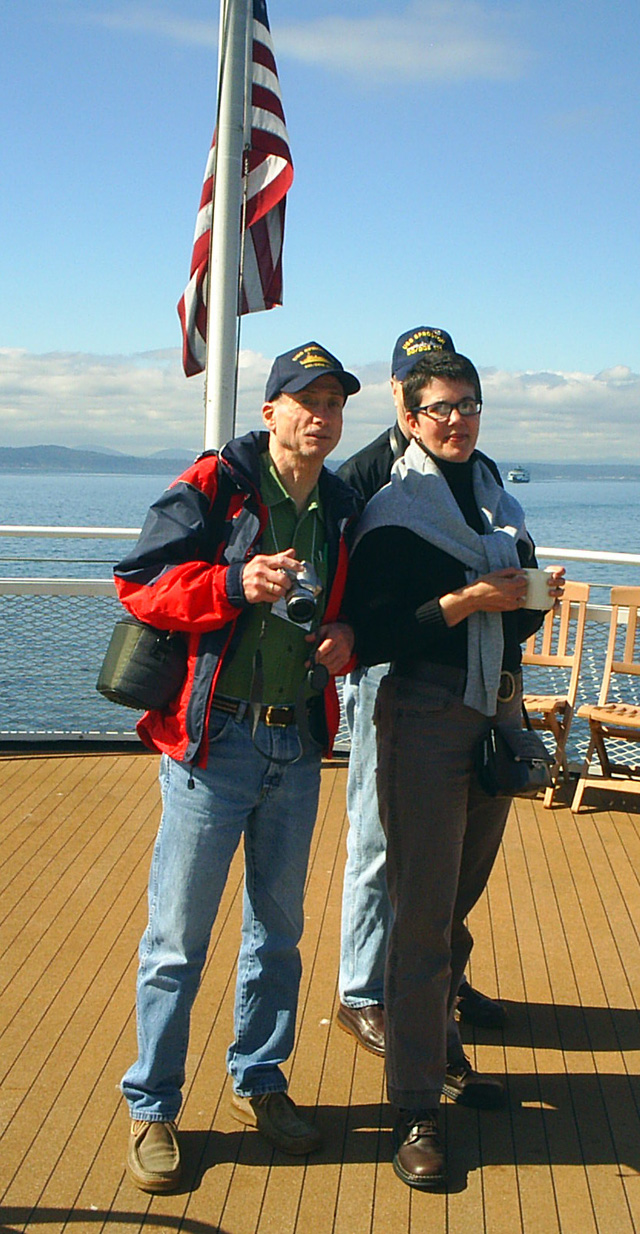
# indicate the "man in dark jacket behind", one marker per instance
pixel 365 904
pixel 220 559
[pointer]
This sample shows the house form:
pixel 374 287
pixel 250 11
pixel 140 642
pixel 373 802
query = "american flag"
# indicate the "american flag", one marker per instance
pixel 269 173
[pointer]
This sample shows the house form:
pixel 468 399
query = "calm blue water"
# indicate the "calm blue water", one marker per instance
pixel 96 500
pixel 71 500
pixel 47 682
pixel 602 515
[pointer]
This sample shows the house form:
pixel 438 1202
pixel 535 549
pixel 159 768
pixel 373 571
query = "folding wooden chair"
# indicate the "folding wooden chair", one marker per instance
pixel 558 646
pixel 614 721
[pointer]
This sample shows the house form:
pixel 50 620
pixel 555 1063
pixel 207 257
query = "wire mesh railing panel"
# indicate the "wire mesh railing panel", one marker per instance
pixel 53 647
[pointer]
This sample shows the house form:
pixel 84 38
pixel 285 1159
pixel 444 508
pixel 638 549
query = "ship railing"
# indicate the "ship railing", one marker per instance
pixel 57 611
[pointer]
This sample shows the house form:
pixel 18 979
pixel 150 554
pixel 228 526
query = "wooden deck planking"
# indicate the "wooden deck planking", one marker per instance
pixel 84 956
pixel 546 1099
pixel 569 908
pixel 556 937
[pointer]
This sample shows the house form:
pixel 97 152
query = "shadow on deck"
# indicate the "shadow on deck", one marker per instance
pixel 556 938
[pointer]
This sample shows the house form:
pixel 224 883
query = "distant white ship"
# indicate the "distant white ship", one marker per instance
pixel 518 475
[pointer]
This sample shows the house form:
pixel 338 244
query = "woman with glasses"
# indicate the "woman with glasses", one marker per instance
pixel 436 586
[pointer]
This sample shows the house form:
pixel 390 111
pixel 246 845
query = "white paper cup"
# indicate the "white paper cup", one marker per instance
pixel 538 589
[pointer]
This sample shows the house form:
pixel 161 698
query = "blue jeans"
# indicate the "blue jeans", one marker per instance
pixel 366 911
pixel 205 813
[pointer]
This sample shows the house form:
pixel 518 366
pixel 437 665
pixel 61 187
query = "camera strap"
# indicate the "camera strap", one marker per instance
pixel 255 707
pixel 319 678
pixel 257 678
pixel 313 541
pixel 279 607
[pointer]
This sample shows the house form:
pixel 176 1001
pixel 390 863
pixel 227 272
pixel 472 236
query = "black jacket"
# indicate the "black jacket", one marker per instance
pixel 370 469
pixel 393 589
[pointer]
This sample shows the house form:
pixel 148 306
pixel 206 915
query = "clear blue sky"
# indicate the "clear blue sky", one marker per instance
pixel 467 164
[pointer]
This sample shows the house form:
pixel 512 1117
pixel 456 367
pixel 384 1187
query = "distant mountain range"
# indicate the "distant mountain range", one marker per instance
pixel 172 462
pixel 63 459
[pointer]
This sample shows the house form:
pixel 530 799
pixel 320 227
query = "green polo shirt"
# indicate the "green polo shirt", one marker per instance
pixel 282 643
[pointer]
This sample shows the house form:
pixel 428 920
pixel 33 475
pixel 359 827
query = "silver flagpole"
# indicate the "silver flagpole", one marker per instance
pixel 222 310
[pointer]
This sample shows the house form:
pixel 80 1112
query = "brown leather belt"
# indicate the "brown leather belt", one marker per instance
pixel 446 675
pixel 275 717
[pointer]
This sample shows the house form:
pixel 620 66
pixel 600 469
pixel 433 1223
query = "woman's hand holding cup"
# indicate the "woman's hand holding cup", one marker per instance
pixel 544 587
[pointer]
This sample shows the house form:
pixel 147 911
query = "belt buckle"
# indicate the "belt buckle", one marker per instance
pixel 270 713
pixel 508 679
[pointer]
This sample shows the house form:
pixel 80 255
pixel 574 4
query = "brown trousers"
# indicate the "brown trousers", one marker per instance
pixel 443 835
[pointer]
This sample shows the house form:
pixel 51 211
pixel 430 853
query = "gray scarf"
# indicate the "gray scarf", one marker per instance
pixel 419 498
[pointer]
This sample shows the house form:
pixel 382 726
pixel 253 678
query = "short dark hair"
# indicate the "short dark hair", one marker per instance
pixel 447 364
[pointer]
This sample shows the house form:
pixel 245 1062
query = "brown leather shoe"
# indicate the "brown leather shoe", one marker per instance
pixel 153 1156
pixel 275 1115
pixel 366 1024
pixel 418 1157
pixel 468 1087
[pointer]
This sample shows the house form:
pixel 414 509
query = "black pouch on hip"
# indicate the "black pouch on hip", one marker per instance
pixel 513 762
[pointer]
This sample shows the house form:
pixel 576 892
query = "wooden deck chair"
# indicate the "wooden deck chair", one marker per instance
pixel 558 645
pixel 614 721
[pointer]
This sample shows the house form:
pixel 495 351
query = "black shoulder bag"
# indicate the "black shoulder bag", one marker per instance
pixel 513 762
pixel 143 667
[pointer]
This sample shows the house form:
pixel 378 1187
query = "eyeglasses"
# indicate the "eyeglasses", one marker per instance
pixel 441 412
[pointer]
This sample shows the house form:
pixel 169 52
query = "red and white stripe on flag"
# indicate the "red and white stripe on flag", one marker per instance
pixel 269 171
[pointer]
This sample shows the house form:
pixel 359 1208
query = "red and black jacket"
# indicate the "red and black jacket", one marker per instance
pixel 185 574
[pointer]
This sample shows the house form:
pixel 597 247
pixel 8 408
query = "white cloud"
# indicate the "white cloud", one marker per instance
pixel 142 403
pixel 557 417
pixel 157 20
pixel 430 40
pixel 581 119
pixel 427 41
pixel 134 403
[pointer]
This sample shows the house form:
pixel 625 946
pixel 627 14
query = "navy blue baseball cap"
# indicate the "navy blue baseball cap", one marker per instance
pixel 413 344
pixel 297 368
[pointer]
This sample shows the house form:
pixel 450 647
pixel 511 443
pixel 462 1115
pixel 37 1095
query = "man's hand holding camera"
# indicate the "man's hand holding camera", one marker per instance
pixel 268 578
pixel 264 579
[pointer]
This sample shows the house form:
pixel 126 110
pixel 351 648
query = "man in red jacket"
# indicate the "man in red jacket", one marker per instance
pixel 246 555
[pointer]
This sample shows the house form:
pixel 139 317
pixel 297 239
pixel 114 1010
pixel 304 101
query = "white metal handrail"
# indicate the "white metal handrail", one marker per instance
pixel 587 554
pixel 69 533
pixel 544 552
pixel 57 587
pixel 105 587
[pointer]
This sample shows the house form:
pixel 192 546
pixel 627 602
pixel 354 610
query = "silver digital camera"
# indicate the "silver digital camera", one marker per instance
pixel 303 593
